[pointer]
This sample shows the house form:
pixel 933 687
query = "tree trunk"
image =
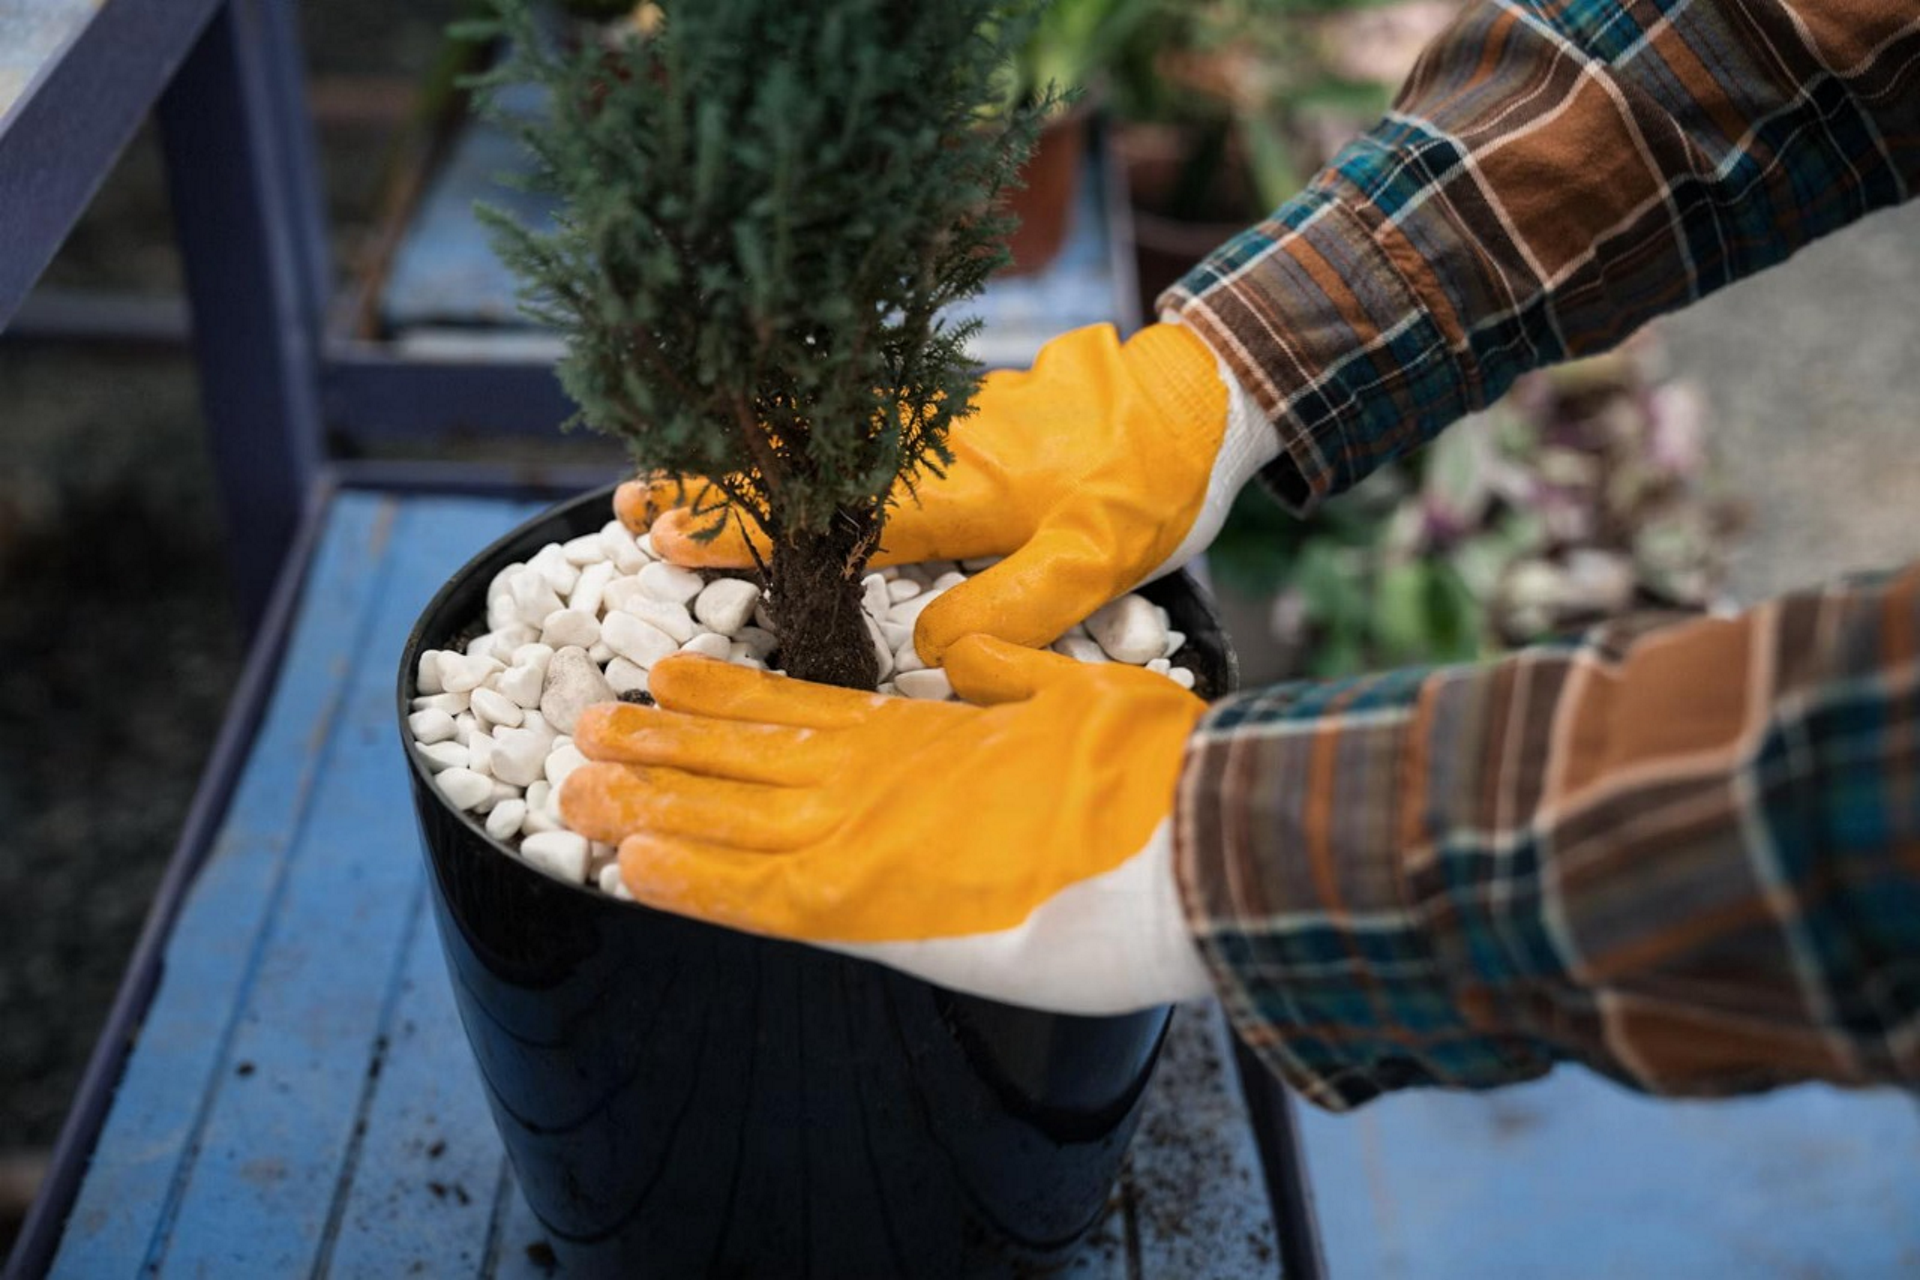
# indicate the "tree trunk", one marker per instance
pixel 815 604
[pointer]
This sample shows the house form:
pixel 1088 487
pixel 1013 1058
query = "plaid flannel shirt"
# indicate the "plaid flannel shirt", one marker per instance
pixel 1684 852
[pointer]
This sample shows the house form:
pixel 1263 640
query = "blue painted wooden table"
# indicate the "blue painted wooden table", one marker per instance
pixel 300 1099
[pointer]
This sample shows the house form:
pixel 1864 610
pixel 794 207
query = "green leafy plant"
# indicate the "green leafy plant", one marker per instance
pixel 764 209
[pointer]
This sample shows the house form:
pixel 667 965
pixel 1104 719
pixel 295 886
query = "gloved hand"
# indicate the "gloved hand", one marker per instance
pixel 1018 849
pixel 1104 466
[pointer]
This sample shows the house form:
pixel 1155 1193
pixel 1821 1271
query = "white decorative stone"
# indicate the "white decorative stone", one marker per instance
pixel 899 589
pixel 461 674
pixel 497 708
pixel 1080 649
pixel 1159 666
pixel 504 822
pixel 480 755
pixel 712 644
pixel 601 653
pixel 587 594
pixel 625 676
pixel 574 683
pixel 670 582
pixel 874 598
pixel 465 725
pixel 533 655
pixel 463 788
pixel 975 564
pixel 882 651
pixel 907 658
pixel 561 761
pixel 533 597
pixel 897 633
pixel 908 612
pixel 426 677
pixel 538 793
pixel 551 564
pixel 522 685
pixel 947 581
pixel 1181 676
pixel 444 755
pixel 930 685
pixel 726 604
pixel 584 550
pixel 538 820
pixel 430 726
pixel 558 853
pixel 519 756
pixel 670 618
pixel 1174 640
pixel 645 543
pixel 1129 629
pixel 451 703
pixel 575 627
pixel 609 879
pixel 639 642
pixel 758 639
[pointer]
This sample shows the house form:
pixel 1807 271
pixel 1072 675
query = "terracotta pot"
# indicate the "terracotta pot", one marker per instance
pixel 684 1100
pixel 1044 204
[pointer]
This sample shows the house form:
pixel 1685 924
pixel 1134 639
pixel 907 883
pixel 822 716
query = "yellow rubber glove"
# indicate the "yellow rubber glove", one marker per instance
pixel 1104 466
pixel 1019 849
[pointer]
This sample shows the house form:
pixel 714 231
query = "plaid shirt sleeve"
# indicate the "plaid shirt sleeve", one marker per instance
pixel 1683 852
pixel 1553 174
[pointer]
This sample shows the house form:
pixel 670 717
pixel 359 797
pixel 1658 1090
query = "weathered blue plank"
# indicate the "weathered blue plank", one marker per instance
pixel 276 1141
pixel 130 1181
pixel 1575 1177
pixel 195 1038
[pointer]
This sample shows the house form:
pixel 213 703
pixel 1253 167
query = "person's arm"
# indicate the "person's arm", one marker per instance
pixel 1685 853
pixel 1551 176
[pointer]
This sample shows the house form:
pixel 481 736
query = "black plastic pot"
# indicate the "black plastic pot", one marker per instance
pixel 685 1100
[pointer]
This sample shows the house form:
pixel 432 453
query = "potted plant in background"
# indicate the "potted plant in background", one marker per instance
pixel 762 209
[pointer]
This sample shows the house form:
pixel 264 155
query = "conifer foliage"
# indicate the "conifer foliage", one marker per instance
pixel 764 207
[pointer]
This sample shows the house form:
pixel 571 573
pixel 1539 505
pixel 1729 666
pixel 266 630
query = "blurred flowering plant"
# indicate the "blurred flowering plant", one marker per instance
pixel 1586 493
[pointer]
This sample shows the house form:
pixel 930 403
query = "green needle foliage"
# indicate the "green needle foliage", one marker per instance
pixel 763 208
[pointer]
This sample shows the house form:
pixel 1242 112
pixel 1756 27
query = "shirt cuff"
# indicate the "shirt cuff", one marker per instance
pixel 1294 805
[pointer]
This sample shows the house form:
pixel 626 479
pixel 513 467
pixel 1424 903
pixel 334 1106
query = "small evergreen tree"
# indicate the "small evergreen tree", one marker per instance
pixel 763 208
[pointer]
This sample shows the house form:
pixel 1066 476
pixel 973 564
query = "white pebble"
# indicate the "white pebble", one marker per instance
pixel 584 550
pixel 588 593
pixel 874 598
pixel 465 725
pixel 908 612
pixel 1080 649
pixel 645 543
pixel 497 708
pixel 461 674
pixel 897 633
pixel 561 762
pixel 559 853
pixel 640 642
pixel 480 749
pixel 1159 666
pixel 711 644
pixel 610 879
pixel 670 618
pixel 539 820
pixel 430 726
pixel 499 644
pixel 1181 676
pixel 1174 640
pixel 1129 629
pixel 538 793
pixel 574 683
pixel 444 755
pixel 427 675
pixel 761 641
pixel 670 582
pixel 501 611
pixel 601 653
pixel 726 604
pixel 900 589
pixel 533 597
pixel 464 788
pixel 533 655
pixel 974 564
pixel 947 581
pixel 931 685
pixel 888 688
pixel 907 658
pixel 504 822
pixel 626 676
pixel 575 627
pixel 522 684
pixel 519 755
pixel 619 548
pixel 550 562
pixel 882 651
pixel 763 615
pixel 451 703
